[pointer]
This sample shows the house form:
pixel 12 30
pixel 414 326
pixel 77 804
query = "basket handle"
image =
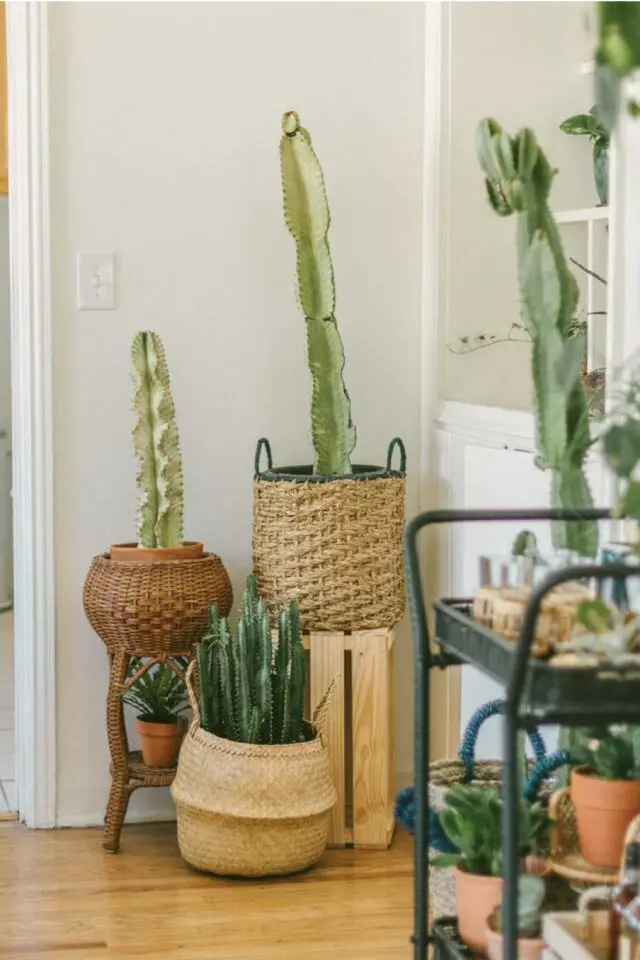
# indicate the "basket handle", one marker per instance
pixel 321 712
pixel 397 442
pixel 191 693
pixel 263 444
pixel 542 769
pixel 467 752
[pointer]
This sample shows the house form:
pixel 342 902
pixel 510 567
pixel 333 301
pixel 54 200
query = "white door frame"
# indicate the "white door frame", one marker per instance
pixel 32 419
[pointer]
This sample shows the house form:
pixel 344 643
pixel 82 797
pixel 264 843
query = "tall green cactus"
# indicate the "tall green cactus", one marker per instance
pixel 157 446
pixel 306 213
pixel 248 692
pixel 518 180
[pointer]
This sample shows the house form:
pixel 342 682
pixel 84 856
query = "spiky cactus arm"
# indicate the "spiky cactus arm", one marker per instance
pixel 518 179
pixel 243 703
pixel 296 677
pixel 307 217
pixel 280 676
pixel 157 446
pixel 225 669
pixel 206 693
pixel 250 615
pixel 264 692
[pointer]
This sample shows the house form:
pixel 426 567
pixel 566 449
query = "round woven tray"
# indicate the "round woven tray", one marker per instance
pixel 333 544
pixel 154 608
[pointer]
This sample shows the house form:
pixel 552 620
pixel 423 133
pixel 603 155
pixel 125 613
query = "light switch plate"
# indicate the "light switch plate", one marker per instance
pixel 96 281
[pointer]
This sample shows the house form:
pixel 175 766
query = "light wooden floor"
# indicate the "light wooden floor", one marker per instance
pixel 63 898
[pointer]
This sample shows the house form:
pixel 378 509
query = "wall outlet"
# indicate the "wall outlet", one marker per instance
pixel 96 281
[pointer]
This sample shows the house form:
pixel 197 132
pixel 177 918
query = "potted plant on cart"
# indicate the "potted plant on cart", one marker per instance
pixel 159 696
pixel 605 792
pixel 253 788
pixel 472 820
pixel 152 596
pixel 327 536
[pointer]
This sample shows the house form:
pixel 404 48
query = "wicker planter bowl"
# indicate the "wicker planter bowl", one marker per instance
pixel 154 607
pixel 251 810
pixel 333 544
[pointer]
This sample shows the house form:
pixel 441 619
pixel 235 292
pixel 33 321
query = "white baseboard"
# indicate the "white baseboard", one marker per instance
pixel 79 820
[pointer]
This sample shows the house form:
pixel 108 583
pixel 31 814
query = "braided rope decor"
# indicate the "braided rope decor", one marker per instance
pixel 333 544
pixel 157 607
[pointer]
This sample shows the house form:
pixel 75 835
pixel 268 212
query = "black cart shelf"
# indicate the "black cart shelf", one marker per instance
pixel 536 693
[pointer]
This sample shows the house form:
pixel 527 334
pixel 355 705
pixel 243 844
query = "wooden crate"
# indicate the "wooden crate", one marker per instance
pixel 359 731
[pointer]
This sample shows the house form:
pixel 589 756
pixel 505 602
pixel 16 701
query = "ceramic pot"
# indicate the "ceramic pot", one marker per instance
pixel 477 897
pixel 529 948
pixel 131 552
pixel 160 742
pixel 604 810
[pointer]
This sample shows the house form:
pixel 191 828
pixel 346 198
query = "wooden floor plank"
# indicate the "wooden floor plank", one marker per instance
pixel 63 898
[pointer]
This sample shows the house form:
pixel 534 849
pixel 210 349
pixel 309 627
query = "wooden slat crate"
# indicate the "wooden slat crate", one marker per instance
pixel 359 731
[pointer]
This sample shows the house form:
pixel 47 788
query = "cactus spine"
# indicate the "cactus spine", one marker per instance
pixel 518 180
pixel 307 216
pixel 157 446
pixel 248 692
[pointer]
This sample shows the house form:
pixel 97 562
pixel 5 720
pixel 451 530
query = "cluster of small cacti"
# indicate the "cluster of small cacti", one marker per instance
pixel 306 213
pixel 251 688
pixel 157 446
pixel 519 181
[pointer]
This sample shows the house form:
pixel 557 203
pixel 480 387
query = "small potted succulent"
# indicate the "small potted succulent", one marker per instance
pixel 590 125
pixel 159 696
pixel 531 893
pixel 253 788
pixel 605 791
pixel 326 535
pixel 153 595
pixel 472 820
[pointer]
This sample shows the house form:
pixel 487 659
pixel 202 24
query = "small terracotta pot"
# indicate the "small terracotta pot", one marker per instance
pixel 604 810
pixel 529 948
pixel 132 553
pixel 477 899
pixel 160 742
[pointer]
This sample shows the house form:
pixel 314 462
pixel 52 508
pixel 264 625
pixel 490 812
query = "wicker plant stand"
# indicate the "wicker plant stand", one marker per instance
pixel 155 610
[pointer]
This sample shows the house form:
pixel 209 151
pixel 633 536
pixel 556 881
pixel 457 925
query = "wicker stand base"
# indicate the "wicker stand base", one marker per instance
pixel 128 772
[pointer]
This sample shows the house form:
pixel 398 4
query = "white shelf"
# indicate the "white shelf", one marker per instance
pixel 582 216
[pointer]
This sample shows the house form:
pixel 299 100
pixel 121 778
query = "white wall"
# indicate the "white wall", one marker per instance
pixel 519 63
pixel 165 122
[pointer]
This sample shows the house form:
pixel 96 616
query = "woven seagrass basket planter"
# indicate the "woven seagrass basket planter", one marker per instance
pixel 251 810
pixel 332 544
pixel 155 607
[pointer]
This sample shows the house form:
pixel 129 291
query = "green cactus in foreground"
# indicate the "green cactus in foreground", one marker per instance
pixel 248 692
pixel 518 180
pixel 157 446
pixel 307 217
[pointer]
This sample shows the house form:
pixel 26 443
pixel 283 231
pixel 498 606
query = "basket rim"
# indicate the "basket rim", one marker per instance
pixel 241 749
pixel 106 557
pixel 303 473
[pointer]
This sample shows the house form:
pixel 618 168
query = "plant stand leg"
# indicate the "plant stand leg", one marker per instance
pixel 119 750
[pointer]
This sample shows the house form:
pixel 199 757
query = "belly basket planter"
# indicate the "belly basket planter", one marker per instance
pixel 253 788
pixel 331 543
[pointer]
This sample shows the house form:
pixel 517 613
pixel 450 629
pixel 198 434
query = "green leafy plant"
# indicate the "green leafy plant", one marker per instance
pixel 621 445
pixel 251 689
pixel 307 217
pixel 531 893
pixel 611 753
pixel 525 544
pixel 158 695
pixel 617 56
pixel 590 125
pixel 518 180
pixel 472 818
pixel 157 446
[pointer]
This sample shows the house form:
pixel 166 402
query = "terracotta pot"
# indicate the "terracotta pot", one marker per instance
pixel 131 552
pixel 529 948
pixel 604 810
pixel 477 898
pixel 160 742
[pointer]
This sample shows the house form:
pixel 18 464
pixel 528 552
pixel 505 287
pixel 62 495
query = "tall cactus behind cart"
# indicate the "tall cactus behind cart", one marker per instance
pixel 248 691
pixel 307 216
pixel 157 446
pixel 518 180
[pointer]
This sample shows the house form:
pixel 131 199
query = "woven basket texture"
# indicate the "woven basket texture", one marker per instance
pixel 154 608
pixel 334 547
pixel 252 810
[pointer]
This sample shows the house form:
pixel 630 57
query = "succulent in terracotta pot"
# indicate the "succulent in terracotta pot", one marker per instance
pixel 605 791
pixel 472 820
pixel 159 696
